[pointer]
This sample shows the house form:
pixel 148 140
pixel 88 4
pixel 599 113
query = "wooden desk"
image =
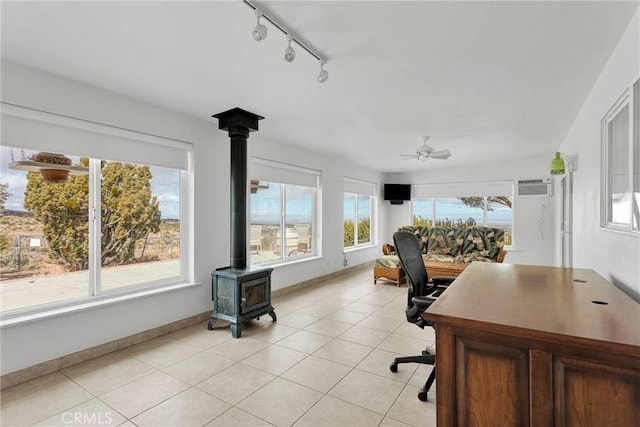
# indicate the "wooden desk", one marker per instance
pixel 523 345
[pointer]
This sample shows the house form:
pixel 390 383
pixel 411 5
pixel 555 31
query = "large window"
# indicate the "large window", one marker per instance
pixel 358 213
pixel 621 163
pixel 88 211
pixel 465 205
pixel 282 212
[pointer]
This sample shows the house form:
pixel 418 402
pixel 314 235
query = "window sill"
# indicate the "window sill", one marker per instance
pixel 620 231
pixel 358 248
pixel 279 263
pixel 95 302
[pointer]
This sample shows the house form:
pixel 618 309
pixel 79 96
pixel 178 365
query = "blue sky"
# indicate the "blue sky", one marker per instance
pixel 453 208
pixel 364 208
pixel 265 205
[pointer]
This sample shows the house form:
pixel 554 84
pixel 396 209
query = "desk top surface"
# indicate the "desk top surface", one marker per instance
pixel 548 301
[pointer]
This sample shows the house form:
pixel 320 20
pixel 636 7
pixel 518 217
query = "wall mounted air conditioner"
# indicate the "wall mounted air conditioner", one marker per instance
pixel 534 187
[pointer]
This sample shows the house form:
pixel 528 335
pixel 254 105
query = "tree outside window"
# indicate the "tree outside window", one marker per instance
pixel 46 243
pixel 462 212
pixel 357 210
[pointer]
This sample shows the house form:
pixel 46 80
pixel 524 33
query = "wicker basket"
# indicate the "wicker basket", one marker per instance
pixel 447 269
pixel 388 274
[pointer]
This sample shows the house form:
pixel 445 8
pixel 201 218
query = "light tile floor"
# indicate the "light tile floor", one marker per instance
pixel 325 362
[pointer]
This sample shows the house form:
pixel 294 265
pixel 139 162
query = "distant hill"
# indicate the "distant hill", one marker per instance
pixel 27 214
pixel 17 213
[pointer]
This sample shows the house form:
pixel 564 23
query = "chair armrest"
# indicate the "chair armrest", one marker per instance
pixel 423 301
pixel 442 280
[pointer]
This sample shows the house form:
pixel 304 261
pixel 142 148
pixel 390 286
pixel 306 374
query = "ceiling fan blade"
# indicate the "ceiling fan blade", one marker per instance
pixel 409 156
pixel 441 154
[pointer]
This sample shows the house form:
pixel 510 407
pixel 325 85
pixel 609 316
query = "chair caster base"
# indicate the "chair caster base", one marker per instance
pixel 422 395
pixel 393 367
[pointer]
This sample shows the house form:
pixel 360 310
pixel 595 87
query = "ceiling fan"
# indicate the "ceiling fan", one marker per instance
pixel 425 152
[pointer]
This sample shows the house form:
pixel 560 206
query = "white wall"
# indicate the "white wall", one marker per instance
pixel 615 256
pixel 37 341
pixel 533 241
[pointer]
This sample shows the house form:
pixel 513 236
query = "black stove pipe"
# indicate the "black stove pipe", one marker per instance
pixel 238 123
pixel 238 135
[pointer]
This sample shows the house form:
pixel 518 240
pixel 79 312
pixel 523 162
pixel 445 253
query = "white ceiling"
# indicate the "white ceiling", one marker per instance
pixel 486 80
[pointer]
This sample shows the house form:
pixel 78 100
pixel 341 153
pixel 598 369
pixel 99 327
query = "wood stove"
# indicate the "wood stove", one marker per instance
pixel 239 293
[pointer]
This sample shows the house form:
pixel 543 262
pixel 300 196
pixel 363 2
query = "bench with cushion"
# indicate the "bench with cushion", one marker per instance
pixel 447 251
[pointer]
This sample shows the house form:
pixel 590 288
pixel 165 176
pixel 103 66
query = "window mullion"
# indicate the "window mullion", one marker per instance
pixel 95 221
pixel 634 156
pixel 186 257
pixel 485 205
pixel 433 212
pixel 283 221
pixel 609 178
pixel 630 158
pixel 355 223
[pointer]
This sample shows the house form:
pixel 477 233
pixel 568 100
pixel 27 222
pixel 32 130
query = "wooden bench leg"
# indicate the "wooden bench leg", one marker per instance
pixel 391 275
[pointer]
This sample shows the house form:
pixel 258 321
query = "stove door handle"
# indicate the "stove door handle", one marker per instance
pixel 242 301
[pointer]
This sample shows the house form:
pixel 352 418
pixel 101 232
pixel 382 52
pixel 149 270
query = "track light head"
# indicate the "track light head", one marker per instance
pixel 324 74
pixel 259 31
pixel 289 53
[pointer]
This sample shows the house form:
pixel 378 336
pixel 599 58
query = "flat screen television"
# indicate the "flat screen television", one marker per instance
pixel 397 193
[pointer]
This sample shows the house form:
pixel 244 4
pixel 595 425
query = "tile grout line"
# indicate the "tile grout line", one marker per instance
pixel 272 341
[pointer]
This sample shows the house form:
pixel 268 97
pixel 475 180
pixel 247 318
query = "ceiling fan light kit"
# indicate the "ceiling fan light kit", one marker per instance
pixel 425 152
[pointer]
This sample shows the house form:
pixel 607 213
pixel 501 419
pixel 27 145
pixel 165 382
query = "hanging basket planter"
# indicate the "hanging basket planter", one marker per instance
pixel 54 168
pixel 54 176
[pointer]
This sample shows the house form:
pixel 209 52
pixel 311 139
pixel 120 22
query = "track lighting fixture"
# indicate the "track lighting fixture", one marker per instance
pixel 289 53
pixel 259 31
pixel 324 74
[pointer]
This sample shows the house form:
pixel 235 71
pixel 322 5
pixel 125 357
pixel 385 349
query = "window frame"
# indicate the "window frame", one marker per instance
pixel 630 99
pixel 361 188
pixel 96 295
pixel 357 244
pixel 477 189
pixel 265 170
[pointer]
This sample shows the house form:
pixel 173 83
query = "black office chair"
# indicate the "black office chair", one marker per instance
pixel 421 294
